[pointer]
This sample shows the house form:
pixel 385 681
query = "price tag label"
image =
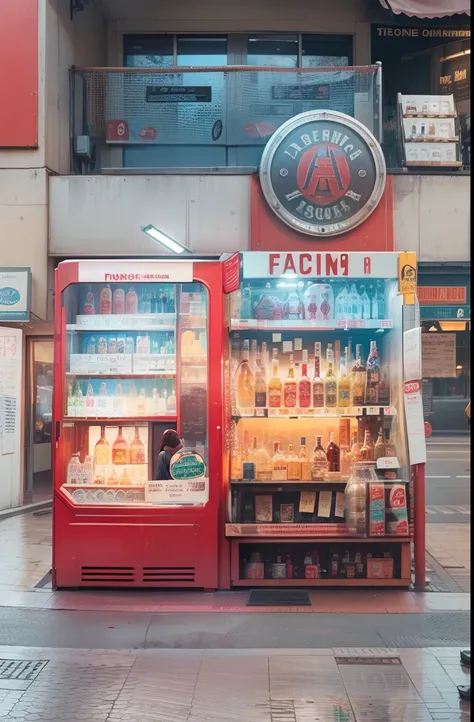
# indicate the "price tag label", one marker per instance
pixel 273 412
pixel 373 410
pixel 389 411
pixel 262 324
pixel 276 337
pixel 260 412
pixel 287 346
pixel 298 344
pixel 388 462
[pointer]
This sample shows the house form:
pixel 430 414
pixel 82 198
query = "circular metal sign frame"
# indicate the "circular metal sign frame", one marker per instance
pixel 322 229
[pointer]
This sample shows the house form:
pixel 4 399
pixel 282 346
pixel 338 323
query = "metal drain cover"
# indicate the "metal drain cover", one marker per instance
pixel 20 671
pixel 368 660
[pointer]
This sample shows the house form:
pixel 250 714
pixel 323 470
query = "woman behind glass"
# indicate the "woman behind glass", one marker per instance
pixel 170 444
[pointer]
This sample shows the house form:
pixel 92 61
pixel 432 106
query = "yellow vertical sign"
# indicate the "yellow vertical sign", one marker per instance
pixel 407 276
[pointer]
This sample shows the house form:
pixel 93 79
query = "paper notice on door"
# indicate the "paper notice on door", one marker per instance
pixel 324 507
pixel 307 502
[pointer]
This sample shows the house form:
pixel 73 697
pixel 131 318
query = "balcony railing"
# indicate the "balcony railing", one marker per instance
pixel 205 117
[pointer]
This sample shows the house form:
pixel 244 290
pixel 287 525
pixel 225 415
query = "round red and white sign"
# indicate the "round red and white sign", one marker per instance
pixel 323 172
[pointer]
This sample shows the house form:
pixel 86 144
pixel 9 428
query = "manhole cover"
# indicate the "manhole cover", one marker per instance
pixel 367 660
pixel 278 598
pixel 23 671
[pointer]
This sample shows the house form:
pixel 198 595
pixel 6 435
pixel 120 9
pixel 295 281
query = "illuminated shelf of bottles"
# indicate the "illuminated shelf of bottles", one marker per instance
pixel 121 420
pixel 116 485
pixel 124 322
pixel 309 325
pixel 322 582
pixel 335 479
pixel 119 374
pixel 326 412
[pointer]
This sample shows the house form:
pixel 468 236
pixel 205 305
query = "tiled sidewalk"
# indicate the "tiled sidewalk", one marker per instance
pixel 450 546
pixel 25 558
pixel 327 685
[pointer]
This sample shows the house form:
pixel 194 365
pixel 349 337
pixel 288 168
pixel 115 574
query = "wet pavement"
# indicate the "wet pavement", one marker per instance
pixel 327 685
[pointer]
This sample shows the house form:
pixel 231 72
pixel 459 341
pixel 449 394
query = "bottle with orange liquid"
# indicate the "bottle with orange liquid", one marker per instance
pixel 120 449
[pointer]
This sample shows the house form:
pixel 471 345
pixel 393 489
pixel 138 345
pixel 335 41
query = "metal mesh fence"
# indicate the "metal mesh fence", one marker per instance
pixel 223 106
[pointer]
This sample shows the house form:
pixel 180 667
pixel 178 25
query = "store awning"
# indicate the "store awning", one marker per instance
pixel 427 8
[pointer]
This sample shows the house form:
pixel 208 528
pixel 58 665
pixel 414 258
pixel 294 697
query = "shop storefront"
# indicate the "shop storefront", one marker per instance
pixel 445 312
pixel 420 57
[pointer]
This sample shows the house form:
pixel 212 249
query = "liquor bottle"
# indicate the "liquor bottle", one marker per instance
pixel 333 454
pixel 120 449
pixel 117 401
pixel 319 461
pixel 87 470
pixel 246 303
pixel 74 470
pixel 378 302
pixel 236 462
pixel 304 384
pixel 318 383
pixel 132 399
pixel 141 403
pixel 330 384
pixel 355 303
pixel 137 449
pixel 131 301
pixel 355 448
pixel 253 355
pixel 275 386
pixel 260 383
pixel 346 460
pixel 102 450
pixel 367 452
pixel 372 376
pixel 344 385
pixel 304 461
pixel 89 303
pixel 294 464
pixel 118 301
pixel 171 402
pixel 294 306
pixel 263 463
pixel 105 300
pixel 289 387
pixel 279 464
pixel 358 379
pixel 384 389
pixel 390 448
pixel 308 559
pixel 289 567
pixel 379 449
pixel 245 380
pixel 365 304
pixel 343 306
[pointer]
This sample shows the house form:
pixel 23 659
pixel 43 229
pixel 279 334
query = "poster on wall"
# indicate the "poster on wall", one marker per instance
pixel 439 355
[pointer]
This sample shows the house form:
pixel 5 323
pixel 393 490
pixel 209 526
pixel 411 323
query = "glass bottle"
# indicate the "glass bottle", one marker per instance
pixel 333 454
pixel 346 460
pixel 279 464
pixel 379 449
pixel 74 470
pixel 171 402
pixel 117 401
pixel 294 464
pixel 304 384
pixel 120 449
pixel 253 355
pixel 355 448
pixel 124 479
pixel 263 463
pixel 355 303
pixel 137 449
pixel 102 450
pixel 246 303
pixel 131 301
pixel 260 384
pixel 105 300
pixel 367 452
pixel 365 304
pixel 87 471
pixel 113 479
pixel 344 385
pixel 294 305
pixel 372 376
pixel 236 462
pixel 275 385
pixel 132 399
pixel 378 302
pixel 304 461
pixel 289 387
pixel 390 448
pixel 318 383
pixel 330 385
pixel 118 301
pixel 245 380
pixel 319 461
pixel 141 403
pixel 343 306
pixel 384 389
pixel 358 379
pixel 89 303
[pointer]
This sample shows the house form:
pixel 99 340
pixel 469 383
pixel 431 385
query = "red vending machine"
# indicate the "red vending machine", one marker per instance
pixel 138 350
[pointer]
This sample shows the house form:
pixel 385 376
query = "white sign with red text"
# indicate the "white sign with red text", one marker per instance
pixel 135 272
pixel 320 265
pixel 413 402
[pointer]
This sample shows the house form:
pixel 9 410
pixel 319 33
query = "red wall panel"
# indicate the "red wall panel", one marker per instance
pixel 269 233
pixel 19 73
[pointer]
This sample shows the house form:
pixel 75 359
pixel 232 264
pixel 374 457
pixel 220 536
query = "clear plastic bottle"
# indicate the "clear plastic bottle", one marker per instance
pixel 74 470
